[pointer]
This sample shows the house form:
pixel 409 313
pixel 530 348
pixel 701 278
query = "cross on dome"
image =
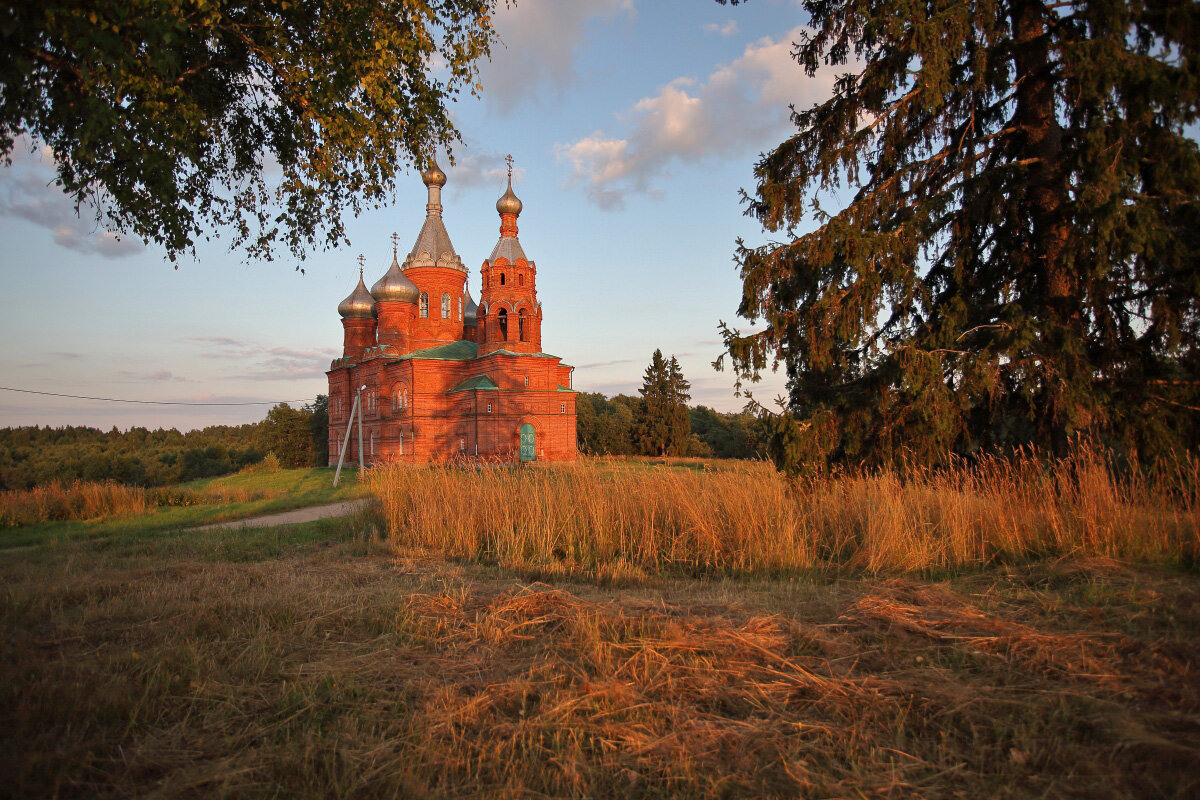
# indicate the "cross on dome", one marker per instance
pixel 508 202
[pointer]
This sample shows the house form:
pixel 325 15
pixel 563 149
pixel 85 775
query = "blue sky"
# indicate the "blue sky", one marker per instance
pixel 633 124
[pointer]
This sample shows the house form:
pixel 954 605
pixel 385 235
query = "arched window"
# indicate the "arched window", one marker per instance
pixel 521 324
pixel 501 278
pixel 459 309
pixel 424 304
pixel 521 279
pixel 502 318
pixel 445 305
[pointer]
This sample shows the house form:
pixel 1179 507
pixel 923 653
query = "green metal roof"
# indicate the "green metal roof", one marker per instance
pixel 480 382
pixel 529 355
pixel 461 350
pixel 562 388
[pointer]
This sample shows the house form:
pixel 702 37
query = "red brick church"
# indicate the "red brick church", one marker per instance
pixel 444 378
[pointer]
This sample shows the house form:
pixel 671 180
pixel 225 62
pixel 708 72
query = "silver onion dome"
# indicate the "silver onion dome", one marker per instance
pixel 509 203
pixel 434 175
pixel 395 286
pixel 359 305
pixel 470 309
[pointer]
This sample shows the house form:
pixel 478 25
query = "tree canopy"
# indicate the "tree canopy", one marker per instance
pixel 173 118
pixel 289 434
pixel 1018 262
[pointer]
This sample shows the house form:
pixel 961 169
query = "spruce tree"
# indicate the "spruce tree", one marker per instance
pixel 1016 263
pixel 662 424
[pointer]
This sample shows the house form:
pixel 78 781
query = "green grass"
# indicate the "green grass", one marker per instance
pixel 307 484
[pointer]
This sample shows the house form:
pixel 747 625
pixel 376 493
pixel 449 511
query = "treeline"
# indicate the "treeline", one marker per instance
pixel 608 426
pixel 32 456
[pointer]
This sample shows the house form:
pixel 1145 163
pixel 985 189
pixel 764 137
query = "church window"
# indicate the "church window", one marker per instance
pixel 501 278
pixel 521 325
pixel 502 318
pixel 521 279
pixel 526 381
pixel 562 408
pixel 459 309
pixel 424 304
pixel 462 444
pixel 445 306
pixel 489 407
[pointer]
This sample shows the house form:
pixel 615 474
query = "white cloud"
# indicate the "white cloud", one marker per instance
pixel 154 377
pixel 539 40
pixel 726 29
pixel 266 363
pixel 481 170
pixel 742 105
pixel 28 191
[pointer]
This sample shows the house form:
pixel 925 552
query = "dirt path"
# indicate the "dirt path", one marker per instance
pixel 294 517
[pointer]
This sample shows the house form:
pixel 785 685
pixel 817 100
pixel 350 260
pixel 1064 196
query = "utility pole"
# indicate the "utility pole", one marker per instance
pixel 354 409
pixel 361 467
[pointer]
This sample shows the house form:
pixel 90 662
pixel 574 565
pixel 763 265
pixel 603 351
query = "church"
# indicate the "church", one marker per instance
pixel 440 378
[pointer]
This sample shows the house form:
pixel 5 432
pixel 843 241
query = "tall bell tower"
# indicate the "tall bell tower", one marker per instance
pixel 510 317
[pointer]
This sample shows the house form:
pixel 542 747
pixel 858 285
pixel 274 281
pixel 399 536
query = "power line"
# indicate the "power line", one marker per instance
pixel 150 402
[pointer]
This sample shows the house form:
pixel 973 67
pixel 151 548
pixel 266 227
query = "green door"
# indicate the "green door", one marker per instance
pixel 528 443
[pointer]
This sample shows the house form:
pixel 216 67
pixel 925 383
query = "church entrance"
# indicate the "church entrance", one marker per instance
pixel 528 443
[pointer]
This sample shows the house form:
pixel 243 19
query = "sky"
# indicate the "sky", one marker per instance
pixel 633 124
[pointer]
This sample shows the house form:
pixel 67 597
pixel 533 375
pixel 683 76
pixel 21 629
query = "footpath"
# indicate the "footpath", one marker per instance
pixel 294 517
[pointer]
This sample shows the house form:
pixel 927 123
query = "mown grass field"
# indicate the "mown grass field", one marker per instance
pixel 345 658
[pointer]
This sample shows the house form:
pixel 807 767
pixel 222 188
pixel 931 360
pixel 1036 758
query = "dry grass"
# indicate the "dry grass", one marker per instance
pixel 75 501
pixel 86 500
pixel 603 515
pixel 343 674
pixel 89 501
pixel 336 660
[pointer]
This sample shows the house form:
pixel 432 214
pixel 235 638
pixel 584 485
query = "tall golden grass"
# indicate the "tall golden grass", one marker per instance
pixel 79 500
pixel 89 500
pixel 600 513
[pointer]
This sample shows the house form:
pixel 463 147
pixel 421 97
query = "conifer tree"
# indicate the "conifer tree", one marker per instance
pixel 1017 262
pixel 662 423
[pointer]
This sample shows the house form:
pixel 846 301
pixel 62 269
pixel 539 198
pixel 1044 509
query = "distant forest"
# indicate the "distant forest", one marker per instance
pixel 35 455
pixel 32 456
